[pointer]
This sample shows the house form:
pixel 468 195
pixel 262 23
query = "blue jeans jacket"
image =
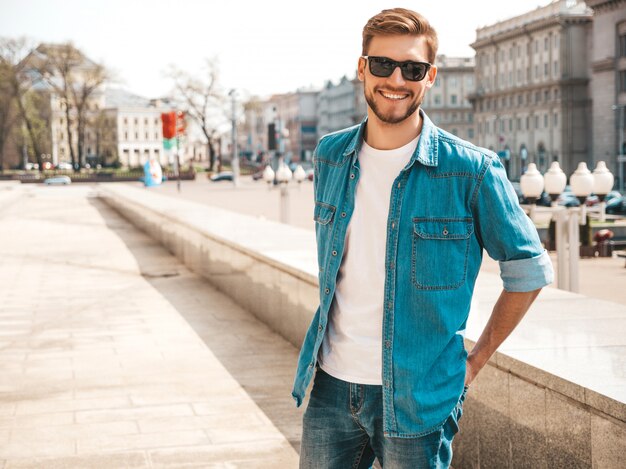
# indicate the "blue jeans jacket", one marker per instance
pixel 451 201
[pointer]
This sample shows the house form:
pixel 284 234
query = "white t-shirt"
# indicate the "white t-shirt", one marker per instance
pixel 352 347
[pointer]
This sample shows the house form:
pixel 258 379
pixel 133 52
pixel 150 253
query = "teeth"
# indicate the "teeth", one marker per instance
pixel 393 96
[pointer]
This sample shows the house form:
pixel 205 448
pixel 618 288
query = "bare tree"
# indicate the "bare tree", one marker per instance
pixel 203 101
pixel 74 79
pixel 16 102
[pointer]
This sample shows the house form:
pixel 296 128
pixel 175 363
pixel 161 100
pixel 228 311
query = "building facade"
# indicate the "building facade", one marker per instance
pixel 295 115
pixel 608 83
pixel 447 102
pixel 532 101
pixel 339 106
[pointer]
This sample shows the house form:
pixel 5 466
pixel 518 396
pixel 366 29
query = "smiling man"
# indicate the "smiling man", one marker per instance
pixel 403 211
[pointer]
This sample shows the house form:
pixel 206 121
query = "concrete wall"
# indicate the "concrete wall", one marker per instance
pixel 553 396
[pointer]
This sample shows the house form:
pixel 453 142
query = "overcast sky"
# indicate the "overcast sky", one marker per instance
pixel 263 46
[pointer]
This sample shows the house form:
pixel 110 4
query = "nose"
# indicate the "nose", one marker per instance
pixel 396 77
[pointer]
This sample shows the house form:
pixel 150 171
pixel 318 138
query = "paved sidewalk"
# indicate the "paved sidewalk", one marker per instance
pixel 112 354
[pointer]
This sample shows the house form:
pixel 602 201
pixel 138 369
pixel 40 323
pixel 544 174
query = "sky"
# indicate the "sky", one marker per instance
pixel 262 47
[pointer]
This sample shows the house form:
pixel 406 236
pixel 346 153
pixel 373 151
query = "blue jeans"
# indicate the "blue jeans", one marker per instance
pixel 343 429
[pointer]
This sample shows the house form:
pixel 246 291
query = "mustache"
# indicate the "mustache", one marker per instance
pixel 393 90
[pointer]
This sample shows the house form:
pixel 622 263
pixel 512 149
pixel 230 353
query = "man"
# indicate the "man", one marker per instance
pixel 403 211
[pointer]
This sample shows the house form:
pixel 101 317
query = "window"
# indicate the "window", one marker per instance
pixel 136 135
pixel 470 117
pixel 556 119
pixel 622 81
pixel 156 135
pixel 536 122
pixel 555 68
pixel 545 120
pixel 546 95
pixel 519 123
pixel 536 45
pixel 125 135
pixel 437 83
pixel 519 99
pixel 556 94
pixel 453 99
pixel 537 97
pixel 510 125
pixel 527 122
pixel 452 81
pixel 136 121
pixel 536 71
pixel 470 133
pixel 147 138
pixel 145 121
pixel 546 44
pixel 125 121
pixel 437 99
pixel 156 121
pixel 511 53
pixel 545 70
pixel 455 131
pixel 622 45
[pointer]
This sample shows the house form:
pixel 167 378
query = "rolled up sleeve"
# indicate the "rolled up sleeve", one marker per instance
pixel 508 234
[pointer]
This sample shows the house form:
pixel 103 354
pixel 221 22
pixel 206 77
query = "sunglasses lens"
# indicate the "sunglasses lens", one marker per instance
pixel 414 71
pixel 381 67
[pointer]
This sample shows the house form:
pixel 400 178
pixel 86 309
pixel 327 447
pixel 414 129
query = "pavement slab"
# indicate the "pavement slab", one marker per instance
pixel 113 354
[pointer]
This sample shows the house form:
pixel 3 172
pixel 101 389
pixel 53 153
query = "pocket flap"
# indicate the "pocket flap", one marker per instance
pixel 443 228
pixel 323 213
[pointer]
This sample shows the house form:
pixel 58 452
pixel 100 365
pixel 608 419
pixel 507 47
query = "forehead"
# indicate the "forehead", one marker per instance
pixel 399 48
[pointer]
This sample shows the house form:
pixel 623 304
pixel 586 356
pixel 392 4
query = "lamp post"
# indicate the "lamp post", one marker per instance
pixel 602 184
pixel 567 220
pixel 235 158
pixel 284 175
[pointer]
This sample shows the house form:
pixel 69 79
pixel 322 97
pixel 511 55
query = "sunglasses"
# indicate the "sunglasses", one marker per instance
pixel 384 67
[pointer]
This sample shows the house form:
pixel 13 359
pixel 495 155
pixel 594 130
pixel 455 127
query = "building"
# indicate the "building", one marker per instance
pixel 447 102
pixel 340 106
pixel 532 101
pixel 297 114
pixel 608 82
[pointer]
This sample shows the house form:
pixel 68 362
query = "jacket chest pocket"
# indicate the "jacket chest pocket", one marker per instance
pixel 323 215
pixel 440 252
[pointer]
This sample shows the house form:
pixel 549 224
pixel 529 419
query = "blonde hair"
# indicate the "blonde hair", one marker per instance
pixel 401 22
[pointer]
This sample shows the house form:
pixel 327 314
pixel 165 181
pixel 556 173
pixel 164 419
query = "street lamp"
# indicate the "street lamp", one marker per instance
pixel 268 176
pixel 299 175
pixel 602 184
pixel 567 220
pixel 284 175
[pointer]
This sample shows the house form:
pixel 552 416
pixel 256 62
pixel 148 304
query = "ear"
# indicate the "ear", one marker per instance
pixel 431 77
pixel 360 70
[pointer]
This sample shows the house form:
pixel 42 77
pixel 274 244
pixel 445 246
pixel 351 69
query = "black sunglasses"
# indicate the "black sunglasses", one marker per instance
pixel 384 67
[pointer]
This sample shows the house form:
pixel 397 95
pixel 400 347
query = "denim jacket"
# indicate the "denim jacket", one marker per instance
pixel 451 201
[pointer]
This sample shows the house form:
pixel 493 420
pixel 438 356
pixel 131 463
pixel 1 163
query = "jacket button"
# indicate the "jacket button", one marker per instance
pixel 327 291
pixel 343 214
pixel 311 365
pixel 445 231
pixel 351 175
pixel 319 328
pixel 393 224
pixel 334 253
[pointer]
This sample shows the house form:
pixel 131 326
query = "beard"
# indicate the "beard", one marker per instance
pixel 389 117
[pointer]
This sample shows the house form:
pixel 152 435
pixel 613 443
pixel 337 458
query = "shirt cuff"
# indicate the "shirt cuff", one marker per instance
pixel 522 275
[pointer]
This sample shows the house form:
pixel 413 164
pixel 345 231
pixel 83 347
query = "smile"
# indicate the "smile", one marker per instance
pixel 394 96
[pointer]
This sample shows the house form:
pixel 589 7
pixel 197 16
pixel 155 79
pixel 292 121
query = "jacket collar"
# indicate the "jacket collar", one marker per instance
pixel 425 153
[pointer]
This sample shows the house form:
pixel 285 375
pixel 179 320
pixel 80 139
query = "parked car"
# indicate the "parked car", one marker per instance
pixel 57 180
pixel 616 206
pixel 309 173
pixel 64 165
pixel 595 200
pixel 222 176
